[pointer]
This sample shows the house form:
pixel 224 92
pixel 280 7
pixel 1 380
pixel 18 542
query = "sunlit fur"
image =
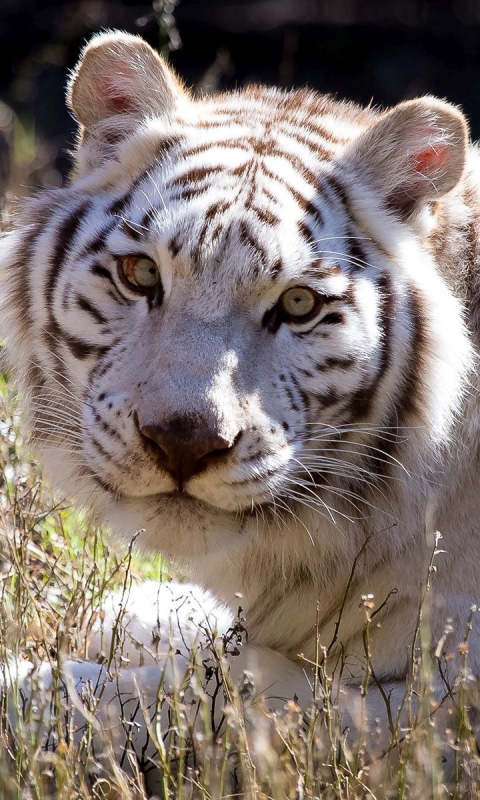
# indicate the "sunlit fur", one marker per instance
pixel 353 425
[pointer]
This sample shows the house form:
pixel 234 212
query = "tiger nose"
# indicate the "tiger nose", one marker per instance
pixel 185 451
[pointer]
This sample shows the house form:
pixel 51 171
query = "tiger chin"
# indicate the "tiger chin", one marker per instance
pixel 247 329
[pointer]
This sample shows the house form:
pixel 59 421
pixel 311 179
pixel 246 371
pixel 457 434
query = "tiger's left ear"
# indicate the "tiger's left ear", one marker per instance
pixel 413 154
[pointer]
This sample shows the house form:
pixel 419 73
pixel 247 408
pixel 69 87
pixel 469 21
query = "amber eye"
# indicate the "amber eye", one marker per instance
pixel 138 273
pixel 298 303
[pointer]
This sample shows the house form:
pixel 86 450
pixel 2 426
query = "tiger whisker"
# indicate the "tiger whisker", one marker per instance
pixel 295 516
pixel 324 460
pixel 389 459
pixel 54 411
pixel 349 259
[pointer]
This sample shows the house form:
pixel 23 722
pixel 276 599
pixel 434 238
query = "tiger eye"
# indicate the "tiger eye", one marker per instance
pixel 298 302
pixel 139 273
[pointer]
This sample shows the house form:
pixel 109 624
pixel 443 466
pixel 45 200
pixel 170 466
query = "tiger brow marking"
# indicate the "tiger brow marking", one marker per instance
pixel 317 149
pixel 174 245
pixel 285 185
pixel 195 175
pixel 265 215
pixel 357 253
pixel 118 206
pixel 269 196
pixel 299 166
pixel 311 210
pixel 227 144
pixel 148 218
pixel 247 238
pixel 276 268
pixel 131 229
pixel 187 192
pixel 216 209
pixel 98 242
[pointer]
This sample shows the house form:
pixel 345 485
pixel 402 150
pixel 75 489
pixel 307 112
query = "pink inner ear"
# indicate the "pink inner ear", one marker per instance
pixel 114 99
pixel 431 159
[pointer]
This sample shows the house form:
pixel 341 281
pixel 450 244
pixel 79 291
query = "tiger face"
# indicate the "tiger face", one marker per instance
pixel 232 312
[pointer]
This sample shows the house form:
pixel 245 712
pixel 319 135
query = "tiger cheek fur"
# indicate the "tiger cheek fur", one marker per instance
pixel 242 330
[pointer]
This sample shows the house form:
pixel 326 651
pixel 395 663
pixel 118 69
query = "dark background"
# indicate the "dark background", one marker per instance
pixel 360 49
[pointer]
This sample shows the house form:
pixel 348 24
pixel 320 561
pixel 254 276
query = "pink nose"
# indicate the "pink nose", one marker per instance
pixel 184 449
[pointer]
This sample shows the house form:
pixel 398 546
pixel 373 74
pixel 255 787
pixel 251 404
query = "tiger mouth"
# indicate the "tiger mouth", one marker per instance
pixel 182 499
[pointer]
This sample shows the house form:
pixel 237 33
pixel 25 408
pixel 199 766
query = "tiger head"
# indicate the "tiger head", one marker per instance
pixel 231 316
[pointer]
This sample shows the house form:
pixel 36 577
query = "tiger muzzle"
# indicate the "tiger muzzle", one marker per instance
pixel 186 446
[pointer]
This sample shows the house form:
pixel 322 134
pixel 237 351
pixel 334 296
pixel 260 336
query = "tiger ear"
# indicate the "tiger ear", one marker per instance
pixel 119 78
pixel 413 154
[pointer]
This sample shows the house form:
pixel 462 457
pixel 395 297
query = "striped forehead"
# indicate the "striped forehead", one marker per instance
pixel 251 192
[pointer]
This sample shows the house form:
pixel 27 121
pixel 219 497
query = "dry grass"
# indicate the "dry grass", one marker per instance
pixel 55 570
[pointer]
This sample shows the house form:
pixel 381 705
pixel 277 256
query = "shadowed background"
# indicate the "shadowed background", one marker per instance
pixel 359 49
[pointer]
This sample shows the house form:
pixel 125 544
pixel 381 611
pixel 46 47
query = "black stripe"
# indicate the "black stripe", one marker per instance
pixel 131 229
pixel 118 206
pixel 357 253
pixel 102 272
pixel 334 363
pixel 107 428
pixel 147 219
pixel 307 233
pixel 100 448
pixel 107 487
pixel 303 395
pixel 292 399
pixel 196 175
pixel 313 211
pixel 337 188
pixel 362 400
pixel 248 239
pixel 80 349
pixel 64 235
pixel 89 308
pixel 328 398
pixel 334 318
pixel 98 242
pixel 21 289
pixel 410 401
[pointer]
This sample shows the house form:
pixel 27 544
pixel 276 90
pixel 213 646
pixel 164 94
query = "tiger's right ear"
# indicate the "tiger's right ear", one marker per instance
pixel 118 81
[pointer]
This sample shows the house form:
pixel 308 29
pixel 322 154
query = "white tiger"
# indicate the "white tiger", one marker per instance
pixel 247 328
